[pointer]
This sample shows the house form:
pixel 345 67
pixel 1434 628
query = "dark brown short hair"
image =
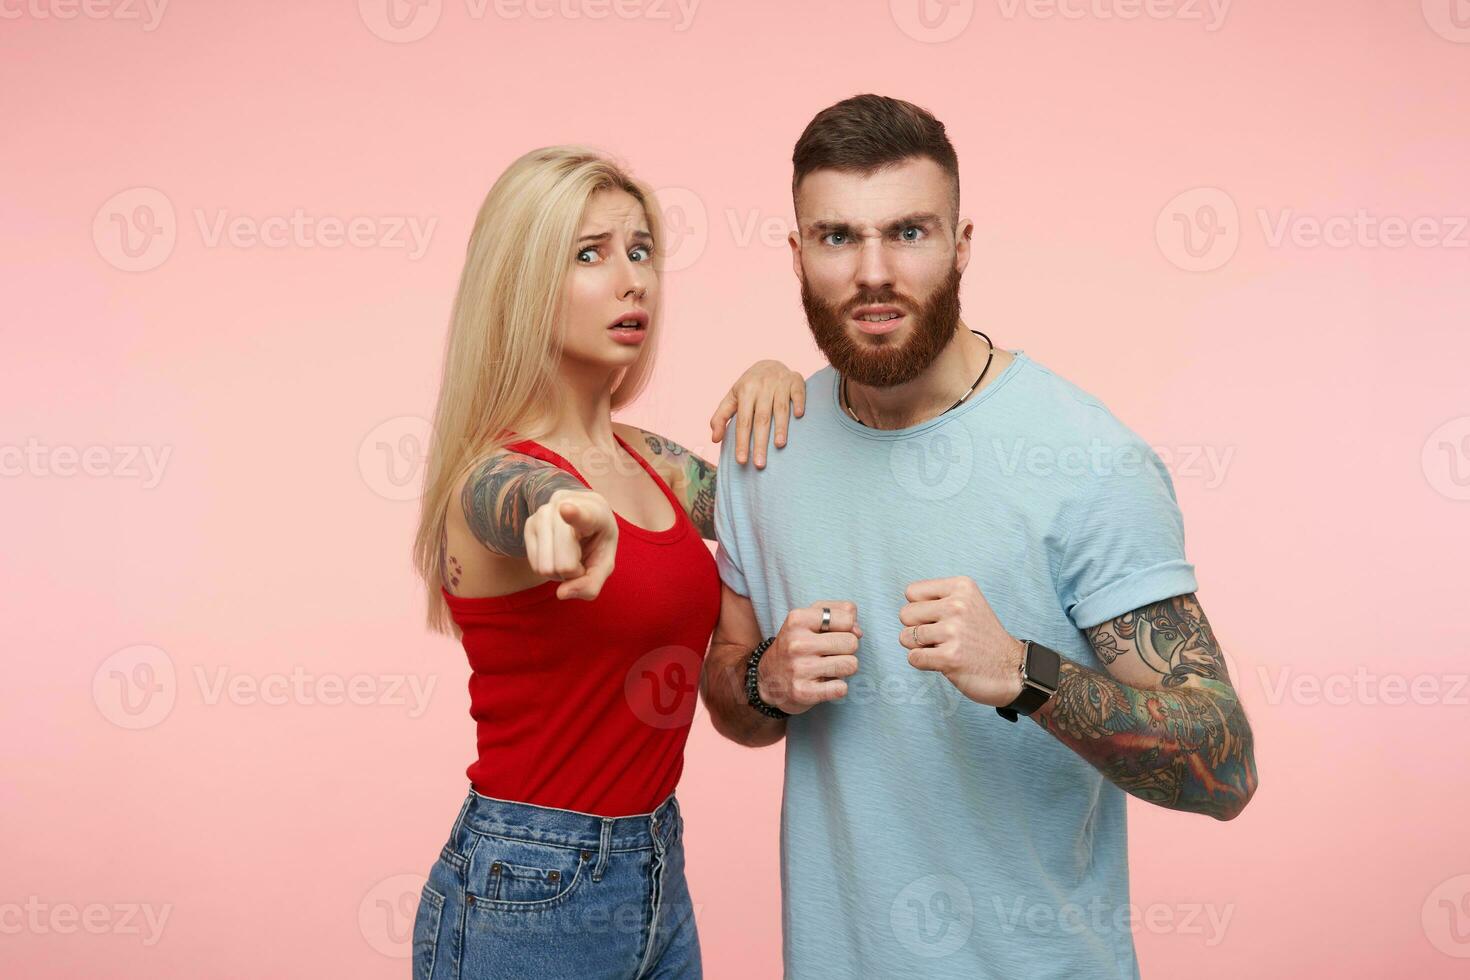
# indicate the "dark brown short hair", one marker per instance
pixel 866 133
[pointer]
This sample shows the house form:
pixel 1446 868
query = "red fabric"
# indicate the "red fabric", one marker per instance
pixel 587 705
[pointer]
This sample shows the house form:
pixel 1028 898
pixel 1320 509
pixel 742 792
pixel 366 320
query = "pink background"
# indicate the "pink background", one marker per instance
pixel 287 384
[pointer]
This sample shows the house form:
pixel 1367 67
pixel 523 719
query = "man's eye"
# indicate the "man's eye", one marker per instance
pixel 917 233
pixel 833 234
pixel 586 251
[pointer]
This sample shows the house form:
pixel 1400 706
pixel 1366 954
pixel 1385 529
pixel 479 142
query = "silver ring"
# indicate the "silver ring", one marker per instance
pixel 826 620
pixel 914 632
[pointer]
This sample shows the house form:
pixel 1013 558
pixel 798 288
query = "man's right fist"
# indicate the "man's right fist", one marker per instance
pixel 804 667
pixel 573 537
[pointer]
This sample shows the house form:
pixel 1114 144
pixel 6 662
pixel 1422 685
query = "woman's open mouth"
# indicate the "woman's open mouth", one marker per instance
pixel 631 328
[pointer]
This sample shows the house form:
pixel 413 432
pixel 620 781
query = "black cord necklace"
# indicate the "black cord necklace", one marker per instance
pixel 989 357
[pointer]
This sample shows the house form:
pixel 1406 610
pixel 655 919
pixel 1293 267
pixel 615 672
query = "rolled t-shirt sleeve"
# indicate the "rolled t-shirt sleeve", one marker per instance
pixel 1126 545
pixel 729 515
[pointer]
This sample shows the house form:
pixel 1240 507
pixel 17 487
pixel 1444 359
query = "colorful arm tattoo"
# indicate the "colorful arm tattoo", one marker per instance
pixel 1182 742
pixel 503 492
pixel 695 484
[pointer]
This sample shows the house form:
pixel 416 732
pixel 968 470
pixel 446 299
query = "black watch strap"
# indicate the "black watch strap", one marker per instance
pixel 752 682
pixel 1041 672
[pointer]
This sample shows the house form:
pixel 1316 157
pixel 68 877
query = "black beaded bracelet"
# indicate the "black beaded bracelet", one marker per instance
pixel 752 682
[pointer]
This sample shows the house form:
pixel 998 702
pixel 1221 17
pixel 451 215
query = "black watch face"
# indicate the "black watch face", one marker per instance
pixel 1044 666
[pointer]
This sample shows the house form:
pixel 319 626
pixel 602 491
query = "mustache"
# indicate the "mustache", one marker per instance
pixel 887 297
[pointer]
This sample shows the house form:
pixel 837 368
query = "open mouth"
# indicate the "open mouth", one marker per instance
pixel 632 323
pixel 877 319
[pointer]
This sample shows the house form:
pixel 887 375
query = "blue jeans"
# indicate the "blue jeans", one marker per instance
pixel 528 891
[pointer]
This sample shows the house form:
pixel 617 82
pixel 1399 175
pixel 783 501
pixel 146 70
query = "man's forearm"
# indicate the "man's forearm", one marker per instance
pixel 722 684
pixel 1183 747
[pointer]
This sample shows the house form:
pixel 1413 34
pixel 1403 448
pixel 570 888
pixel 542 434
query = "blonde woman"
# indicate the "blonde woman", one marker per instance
pixel 566 550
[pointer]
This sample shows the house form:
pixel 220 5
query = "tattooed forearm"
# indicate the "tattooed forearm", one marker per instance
pixel 695 484
pixel 1184 744
pixel 503 492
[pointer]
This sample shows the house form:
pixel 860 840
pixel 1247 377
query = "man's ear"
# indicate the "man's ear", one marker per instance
pixel 963 233
pixel 794 239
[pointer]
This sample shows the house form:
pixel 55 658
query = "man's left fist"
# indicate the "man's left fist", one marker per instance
pixel 959 636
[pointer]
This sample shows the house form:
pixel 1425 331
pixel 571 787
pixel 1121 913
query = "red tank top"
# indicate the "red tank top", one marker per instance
pixel 587 705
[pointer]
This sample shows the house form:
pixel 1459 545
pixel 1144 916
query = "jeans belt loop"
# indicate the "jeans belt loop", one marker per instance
pixel 604 845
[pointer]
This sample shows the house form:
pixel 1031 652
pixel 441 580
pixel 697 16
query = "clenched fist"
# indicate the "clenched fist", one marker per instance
pixel 950 628
pixel 573 538
pixel 804 667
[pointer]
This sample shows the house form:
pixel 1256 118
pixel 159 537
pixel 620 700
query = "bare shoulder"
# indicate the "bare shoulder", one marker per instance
pixel 688 474
pixel 499 493
pixel 663 454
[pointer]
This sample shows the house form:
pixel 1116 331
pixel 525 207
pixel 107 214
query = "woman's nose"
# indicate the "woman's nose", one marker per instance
pixel 633 280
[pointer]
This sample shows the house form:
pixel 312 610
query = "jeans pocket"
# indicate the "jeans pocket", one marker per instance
pixel 426 932
pixel 519 875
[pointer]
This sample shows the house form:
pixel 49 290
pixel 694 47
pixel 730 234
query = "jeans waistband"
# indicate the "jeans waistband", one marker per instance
pixel 570 828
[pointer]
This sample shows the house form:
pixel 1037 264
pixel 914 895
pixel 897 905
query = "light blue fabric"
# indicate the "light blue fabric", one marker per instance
pixel 922 835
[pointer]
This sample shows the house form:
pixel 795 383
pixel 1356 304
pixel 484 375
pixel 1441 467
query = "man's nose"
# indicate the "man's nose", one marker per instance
pixel 873 273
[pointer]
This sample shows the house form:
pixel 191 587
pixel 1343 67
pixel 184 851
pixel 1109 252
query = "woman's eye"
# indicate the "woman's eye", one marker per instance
pixel 586 251
pixel 642 250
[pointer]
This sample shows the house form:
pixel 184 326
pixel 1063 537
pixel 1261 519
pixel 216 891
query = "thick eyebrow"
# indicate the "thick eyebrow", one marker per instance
pixel 918 218
pixel 640 235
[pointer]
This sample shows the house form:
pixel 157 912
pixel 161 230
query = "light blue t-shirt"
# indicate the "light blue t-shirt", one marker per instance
pixel 922 835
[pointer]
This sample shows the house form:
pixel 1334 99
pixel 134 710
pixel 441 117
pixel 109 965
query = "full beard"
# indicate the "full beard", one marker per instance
pixel 885 364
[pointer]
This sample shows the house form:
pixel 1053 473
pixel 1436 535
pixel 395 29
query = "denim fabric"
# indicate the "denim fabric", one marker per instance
pixel 521 890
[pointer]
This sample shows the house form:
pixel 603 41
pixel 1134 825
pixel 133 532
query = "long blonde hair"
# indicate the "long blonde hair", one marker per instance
pixel 504 338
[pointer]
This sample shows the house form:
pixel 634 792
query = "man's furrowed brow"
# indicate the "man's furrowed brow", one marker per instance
pixel 924 218
pixel 823 227
pixel 921 218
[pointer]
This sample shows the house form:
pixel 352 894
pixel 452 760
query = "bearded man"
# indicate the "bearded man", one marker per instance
pixel 955 537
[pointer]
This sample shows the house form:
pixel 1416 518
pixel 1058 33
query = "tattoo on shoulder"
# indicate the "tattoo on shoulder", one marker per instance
pixel 1172 637
pixel 450 569
pixel 697 479
pixel 503 492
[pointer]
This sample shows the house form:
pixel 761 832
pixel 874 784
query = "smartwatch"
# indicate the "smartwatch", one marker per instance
pixel 1041 672
pixel 752 682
